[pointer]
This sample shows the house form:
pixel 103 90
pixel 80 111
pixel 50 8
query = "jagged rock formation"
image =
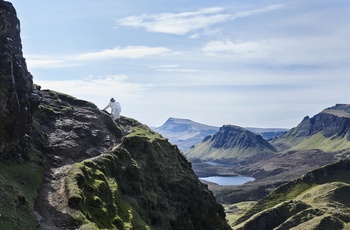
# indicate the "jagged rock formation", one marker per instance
pixel 83 171
pixel 185 133
pixel 141 181
pixel 231 144
pixel 328 131
pixel 15 89
pixel 317 200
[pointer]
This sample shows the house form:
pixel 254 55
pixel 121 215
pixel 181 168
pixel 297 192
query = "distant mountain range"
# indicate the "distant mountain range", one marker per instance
pixel 186 133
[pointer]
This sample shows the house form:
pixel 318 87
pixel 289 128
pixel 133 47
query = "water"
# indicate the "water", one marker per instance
pixel 228 180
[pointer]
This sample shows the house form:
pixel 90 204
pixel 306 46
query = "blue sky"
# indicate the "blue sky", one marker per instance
pixel 257 63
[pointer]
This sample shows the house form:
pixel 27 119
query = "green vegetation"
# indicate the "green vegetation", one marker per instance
pixel 235 211
pixel 140 130
pixel 19 185
pixel 92 188
pixel 325 193
pixel 318 141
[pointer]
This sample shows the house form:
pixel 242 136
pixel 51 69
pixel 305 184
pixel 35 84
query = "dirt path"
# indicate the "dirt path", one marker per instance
pixel 51 206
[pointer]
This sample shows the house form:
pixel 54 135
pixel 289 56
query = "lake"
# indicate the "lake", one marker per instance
pixel 228 180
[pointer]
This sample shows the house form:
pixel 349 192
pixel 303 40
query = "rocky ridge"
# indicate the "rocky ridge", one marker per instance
pixel 16 100
pixel 231 144
pixel 67 165
pixel 103 176
pixel 328 130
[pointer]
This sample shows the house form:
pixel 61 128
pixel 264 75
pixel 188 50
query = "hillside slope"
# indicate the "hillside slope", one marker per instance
pixel 317 200
pixel 231 144
pixel 328 131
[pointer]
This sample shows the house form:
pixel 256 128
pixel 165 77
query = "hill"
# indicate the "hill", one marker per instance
pixel 328 131
pixel 184 132
pixel 65 164
pixel 231 144
pixel 317 200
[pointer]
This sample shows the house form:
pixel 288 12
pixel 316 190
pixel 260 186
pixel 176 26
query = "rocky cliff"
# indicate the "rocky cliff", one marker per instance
pixel 15 89
pixel 64 164
pixel 114 177
pixel 328 130
pixel 231 144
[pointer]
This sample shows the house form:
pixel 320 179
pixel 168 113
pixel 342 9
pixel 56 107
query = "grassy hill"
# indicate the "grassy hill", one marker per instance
pixel 317 200
pixel 231 144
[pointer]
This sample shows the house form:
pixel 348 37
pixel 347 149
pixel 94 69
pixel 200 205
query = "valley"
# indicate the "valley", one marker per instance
pixel 234 151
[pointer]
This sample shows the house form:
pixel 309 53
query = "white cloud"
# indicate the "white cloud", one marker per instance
pixel 187 22
pixel 172 69
pixel 100 86
pixel 242 49
pixel 127 52
pixel 327 51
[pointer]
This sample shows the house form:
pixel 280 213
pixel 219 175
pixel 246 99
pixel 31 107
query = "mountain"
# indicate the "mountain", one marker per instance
pixel 65 164
pixel 268 133
pixel 184 132
pixel 16 99
pixel 328 131
pixel 317 200
pixel 231 144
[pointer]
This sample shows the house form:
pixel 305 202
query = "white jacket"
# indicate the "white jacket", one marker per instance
pixel 116 109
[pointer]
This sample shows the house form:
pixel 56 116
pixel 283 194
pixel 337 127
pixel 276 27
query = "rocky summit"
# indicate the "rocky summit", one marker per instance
pixel 328 130
pixel 15 89
pixel 231 144
pixel 65 164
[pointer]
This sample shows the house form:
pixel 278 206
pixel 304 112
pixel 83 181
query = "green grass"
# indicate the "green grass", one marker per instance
pixel 325 190
pixel 19 185
pixel 318 141
pixel 93 190
pixel 234 211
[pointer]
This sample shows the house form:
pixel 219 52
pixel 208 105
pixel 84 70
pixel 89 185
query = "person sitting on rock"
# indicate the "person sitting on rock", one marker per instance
pixel 115 108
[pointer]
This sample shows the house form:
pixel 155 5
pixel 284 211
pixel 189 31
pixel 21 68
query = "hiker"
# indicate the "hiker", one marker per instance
pixel 115 108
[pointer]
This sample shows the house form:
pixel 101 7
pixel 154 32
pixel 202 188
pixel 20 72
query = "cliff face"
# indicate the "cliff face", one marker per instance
pixel 231 143
pixel 328 131
pixel 70 166
pixel 114 177
pixel 15 89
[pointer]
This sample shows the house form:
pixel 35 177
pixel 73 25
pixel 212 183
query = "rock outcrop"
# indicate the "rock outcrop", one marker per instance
pixel 65 164
pixel 15 89
pixel 231 144
pixel 328 131
pixel 109 177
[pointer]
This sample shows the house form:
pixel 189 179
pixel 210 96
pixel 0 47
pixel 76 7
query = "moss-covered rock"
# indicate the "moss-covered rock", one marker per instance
pixel 144 183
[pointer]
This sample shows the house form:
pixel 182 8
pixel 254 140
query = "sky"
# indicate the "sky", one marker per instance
pixel 251 63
